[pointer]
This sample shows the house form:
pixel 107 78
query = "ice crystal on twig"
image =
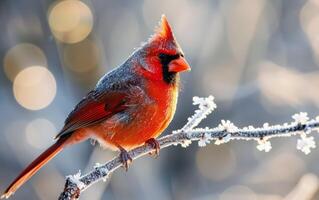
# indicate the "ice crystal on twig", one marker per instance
pixel 226 138
pixel 186 143
pixel 228 126
pixel 305 144
pixel 266 125
pixel 204 140
pixel 206 106
pixel 76 180
pixel 301 118
pixel 264 145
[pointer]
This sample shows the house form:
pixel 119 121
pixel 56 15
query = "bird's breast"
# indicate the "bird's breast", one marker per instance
pixel 165 96
pixel 149 112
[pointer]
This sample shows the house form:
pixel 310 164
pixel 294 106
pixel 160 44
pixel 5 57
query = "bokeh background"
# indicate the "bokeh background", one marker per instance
pixel 259 58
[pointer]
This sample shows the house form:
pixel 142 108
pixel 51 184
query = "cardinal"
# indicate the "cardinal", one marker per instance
pixel 130 106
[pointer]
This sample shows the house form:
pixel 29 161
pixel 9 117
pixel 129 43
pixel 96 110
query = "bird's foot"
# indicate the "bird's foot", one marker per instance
pixel 155 145
pixel 125 158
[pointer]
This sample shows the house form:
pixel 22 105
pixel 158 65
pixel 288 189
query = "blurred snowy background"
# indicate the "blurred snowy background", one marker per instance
pixel 260 59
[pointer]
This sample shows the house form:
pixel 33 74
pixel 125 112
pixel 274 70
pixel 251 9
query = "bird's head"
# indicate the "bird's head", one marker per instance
pixel 162 57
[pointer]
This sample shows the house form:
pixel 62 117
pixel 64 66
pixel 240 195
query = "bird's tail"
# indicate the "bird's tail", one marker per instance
pixel 35 166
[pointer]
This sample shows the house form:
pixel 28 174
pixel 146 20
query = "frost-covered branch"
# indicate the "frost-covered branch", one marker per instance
pixel 301 126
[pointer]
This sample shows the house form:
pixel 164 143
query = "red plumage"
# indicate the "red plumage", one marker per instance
pixel 129 106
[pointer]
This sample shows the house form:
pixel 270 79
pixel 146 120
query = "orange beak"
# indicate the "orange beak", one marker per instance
pixel 179 65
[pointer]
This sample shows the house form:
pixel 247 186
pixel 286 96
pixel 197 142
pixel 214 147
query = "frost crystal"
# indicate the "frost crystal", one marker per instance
pixel 264 145
pixel 308 130
pixel 301 118
pixel 266 125
pixel 97 165
pixel 218 142
pixel 223 140
pixel 228 126
pixel 186 143
pixel 206 106
pixel 203 103
pixel 304 144
pixel 75 179
pixel 204 140
pixel 102 170
pixel 77 175
pixel 227 138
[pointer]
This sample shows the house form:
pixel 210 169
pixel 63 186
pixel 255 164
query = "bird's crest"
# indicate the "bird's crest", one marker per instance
pixel 163 31
pixel 163 38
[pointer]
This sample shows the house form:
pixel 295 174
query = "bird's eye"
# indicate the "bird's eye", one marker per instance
pixel 162 56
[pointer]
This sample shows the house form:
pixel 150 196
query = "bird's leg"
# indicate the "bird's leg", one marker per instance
pixel 125 157
pixel 155 145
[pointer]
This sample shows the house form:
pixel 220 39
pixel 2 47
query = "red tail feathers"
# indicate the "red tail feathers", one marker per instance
pixel 35 166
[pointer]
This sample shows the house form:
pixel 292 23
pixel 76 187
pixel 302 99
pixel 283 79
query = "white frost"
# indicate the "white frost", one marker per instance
pixel 308 130
pixel 264 145
pixel 301 118
pixel 266 125
pixel 76 179
pixel 186 143
pixel 206 106
pixel 204 103
pixel 228 126
pixel 223 140
pixel 204 140
pixel 305 144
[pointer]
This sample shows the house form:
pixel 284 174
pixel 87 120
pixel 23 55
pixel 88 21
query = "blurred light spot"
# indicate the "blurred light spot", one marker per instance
pixel 305 189
pixel 242 24
pixel 34 88
pixel 47 183
pixel 216 163
pixel 70 21
pixel 214 80
pixel 128 30
pixel 21 56
pixel 238 192
pixel 15 137
pixel 152 13
pixel 152 10
pixel 81 57
pixel 40 133
pixel 181 23
pixel 275 169
pixel 309 19
pixel 290 85
pixel 24 25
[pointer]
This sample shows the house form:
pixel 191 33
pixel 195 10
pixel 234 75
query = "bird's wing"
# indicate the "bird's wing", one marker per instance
pixel 93 109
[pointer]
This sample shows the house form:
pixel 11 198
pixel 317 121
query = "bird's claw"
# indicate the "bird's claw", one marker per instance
pixel 155 145
pixel 125 159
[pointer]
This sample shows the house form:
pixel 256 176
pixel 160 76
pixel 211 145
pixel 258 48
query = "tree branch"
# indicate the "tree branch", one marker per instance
pixel 223 133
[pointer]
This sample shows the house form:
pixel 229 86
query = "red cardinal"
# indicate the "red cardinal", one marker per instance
pixel 129 106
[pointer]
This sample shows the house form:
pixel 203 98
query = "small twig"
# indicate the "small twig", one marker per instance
pixel 225 132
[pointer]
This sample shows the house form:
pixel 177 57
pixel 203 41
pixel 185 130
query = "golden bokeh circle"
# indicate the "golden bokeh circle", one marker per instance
pixel 21 56
pixel 34 88
pixel 71 21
